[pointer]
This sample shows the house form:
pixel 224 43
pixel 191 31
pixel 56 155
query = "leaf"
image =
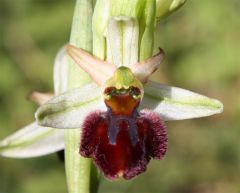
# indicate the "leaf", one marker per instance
pixel 174 103
pixel 32 141
pixel 69 109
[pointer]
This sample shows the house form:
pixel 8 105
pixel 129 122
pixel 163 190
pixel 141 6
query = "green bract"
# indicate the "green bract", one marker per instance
pixel 139 15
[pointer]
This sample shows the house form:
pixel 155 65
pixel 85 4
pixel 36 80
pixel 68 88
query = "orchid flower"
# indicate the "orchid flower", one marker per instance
pixel 121 112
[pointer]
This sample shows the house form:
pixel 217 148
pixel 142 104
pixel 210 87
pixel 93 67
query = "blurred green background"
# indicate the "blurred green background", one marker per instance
pixel 202 43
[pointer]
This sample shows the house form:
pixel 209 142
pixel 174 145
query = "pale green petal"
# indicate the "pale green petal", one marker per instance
pixel 173 103
pixel 32 141
pixel 69 109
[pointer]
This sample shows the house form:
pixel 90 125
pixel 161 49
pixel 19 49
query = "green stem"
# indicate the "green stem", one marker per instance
pixel 78 169
pixel 95 179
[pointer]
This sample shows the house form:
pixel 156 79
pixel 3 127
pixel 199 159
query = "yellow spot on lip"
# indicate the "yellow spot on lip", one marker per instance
pixel 123 78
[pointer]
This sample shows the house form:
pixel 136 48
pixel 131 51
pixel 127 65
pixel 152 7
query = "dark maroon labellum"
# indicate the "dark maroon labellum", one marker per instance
pixel 122 140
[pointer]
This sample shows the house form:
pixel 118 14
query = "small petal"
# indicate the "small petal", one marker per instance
pixel 69 109
pixel 97 69
pixel 143 70
pixel 32 141
pixel 173 103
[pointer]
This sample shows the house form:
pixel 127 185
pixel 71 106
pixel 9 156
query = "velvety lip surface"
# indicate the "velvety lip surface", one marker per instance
pixel 127 157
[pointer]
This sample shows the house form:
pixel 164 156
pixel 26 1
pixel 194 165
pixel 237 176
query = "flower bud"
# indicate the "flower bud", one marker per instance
pixel 166 7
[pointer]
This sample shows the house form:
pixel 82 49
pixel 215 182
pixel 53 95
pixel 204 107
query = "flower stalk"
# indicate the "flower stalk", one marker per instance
pixel 78 168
